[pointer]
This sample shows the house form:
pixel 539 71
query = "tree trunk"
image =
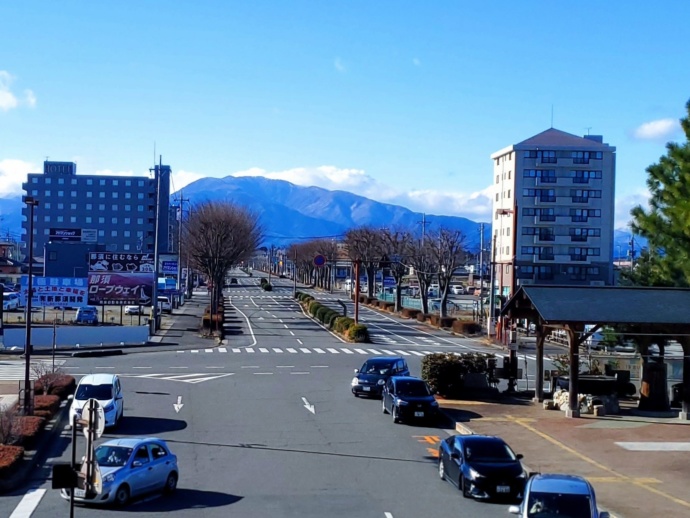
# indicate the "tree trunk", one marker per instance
pixel 654 388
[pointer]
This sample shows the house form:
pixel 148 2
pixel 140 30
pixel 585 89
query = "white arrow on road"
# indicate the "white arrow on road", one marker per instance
pixel 178 406
pixel 308 406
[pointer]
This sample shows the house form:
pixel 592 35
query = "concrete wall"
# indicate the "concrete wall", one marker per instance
pixel 85 336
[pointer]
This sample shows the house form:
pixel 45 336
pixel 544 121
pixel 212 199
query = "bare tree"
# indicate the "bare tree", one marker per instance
pixel 46 374
pixel 218 236
pixel 447 249
pixel 421 259
pixel 396 246
pixel 365 244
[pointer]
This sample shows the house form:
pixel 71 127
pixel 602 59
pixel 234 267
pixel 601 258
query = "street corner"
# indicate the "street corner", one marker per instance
pixel 429 444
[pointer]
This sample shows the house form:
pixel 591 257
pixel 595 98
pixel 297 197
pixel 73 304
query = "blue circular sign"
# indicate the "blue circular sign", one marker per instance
pixel 319 260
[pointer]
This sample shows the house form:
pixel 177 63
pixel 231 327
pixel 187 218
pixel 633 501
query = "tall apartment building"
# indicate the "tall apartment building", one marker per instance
pixel 553 211
pixel 112 213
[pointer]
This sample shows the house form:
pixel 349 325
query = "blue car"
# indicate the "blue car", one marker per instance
pixel 87 315
pixel 373 374
pixel 131 468
pixel 408 399
pixel 558 495
pixel 481 466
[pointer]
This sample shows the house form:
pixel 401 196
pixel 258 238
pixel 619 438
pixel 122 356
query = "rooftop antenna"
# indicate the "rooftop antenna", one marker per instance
pixel 552 116
pixel 588 128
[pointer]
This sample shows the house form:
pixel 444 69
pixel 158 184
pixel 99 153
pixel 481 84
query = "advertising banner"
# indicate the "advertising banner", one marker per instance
pixel 120 279
pixel 64 234
pixel 61 292
pixel 120 289
pixel 167 265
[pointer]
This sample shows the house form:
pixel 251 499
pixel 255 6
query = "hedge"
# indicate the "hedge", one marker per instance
pixel 358 333
pixel 28 428
pixel 267 286
pixel 321 312
pixel 441 321
pixel 342 324
pixel 314 306
pixel 466 327
pixel 445 372
pixel 62 387
pixel 46 406
pixel 422 317
pixel 332 319
pixel 410 313
pixel 10 458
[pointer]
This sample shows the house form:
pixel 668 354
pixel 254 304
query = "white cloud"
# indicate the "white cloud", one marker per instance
pixel 339 65
pixel 181 179
pixel 13 174
pixel 656 130
pixel 416 62
pixel 8 100
pixel 110 172
pixel 624 205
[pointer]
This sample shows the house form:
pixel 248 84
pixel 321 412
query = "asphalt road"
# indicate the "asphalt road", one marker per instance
pixel 247 442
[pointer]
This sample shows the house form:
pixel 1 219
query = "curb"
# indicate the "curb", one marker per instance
pixel 98 353
pixel 46 441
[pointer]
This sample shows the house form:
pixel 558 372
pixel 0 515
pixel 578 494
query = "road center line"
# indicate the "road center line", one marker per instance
pixel 298 341
pixel 285 366
pixel 28 504
pixel 249 367
pixel 142 367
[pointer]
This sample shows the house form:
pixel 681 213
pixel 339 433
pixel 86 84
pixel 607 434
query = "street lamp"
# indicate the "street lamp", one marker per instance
pixel 31 203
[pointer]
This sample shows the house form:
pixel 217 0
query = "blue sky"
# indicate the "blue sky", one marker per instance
pixel 398 101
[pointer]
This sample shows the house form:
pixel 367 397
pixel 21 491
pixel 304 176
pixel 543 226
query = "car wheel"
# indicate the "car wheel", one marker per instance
pixel 464 485
pixel 171 483
pixel 394 413
pixel 383 406
pixel 355 394
pixel 441 470
pixel 122 495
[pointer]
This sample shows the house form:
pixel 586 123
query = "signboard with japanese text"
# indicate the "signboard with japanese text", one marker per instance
pixel 121 263
pixel 64 292
pixel 89 235
pixel 167 264
pixel 120 289
pixel 64 234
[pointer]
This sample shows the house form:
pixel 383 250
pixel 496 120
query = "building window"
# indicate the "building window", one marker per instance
pixel 101 233
pixel 72 219
pixel 543 195
pixel 48 193
pixel 46 231
pixel 128 207
pixel 61 181
pixel 89 181
pixel 496 196
pixel 116 182
pixel 545 273
pixel 35 192
pixel 128 195
pixel 101 194
pixel 61 206
pixel 116 194
pixel 140 221
pixel 127 233
pixel 546 157
pixel 113 233
pixel 140 233
pixel 89 194
pixel 128 183
pixel 89 206
pixel 585 176
pixel 35 180
pixel 61 194
pixel 128 221
pixel 498 178
pixel 73 181
pixel 46 205
pixel 508 194
pixel 73 194
pixel 73 206
pixel 583 195
pixel 101 219
pixel 544 175
pixel 113 207
pixel 113 221
pixel 140 183
pixel 140 208
pixel 49 181
pixel 46 219
pixel 101 182
pixel 101 206
pixel 88 219
pixel 140 195
pixel 125 247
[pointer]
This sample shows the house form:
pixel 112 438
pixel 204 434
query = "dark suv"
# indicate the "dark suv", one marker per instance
pixel 370 378
pixel 407 399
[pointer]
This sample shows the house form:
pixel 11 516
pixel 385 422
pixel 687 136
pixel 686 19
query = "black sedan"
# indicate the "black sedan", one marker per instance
pixel 370 378
pixel 481 467
pixel 407 399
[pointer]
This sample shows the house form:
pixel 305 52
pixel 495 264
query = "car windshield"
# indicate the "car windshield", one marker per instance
pixel 548 505
pixel 488 451
pixel 412 389
pixel 381 368
pixel 102 392
pixel 112 456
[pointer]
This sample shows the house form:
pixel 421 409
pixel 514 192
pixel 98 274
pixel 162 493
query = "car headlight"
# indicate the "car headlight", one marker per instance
pixel 400 402
pixel 523 475
pixel 109 407
pixel 110 477
pixel 475 474
pixel 381 382
pixel 355 381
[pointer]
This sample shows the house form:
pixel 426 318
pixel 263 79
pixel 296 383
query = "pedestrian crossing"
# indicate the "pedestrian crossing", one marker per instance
pixel 391 340
pixel 193 378
pixel 11 370
pixel 313 350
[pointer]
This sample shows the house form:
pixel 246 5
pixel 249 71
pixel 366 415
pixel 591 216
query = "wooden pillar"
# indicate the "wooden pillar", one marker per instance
pixel 539 377
pixel 574 349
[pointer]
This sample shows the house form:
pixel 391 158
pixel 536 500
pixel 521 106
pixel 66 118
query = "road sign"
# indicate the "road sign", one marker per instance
pixel 319 260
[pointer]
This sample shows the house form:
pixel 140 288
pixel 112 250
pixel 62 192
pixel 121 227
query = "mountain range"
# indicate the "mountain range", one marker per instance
pixel 290 213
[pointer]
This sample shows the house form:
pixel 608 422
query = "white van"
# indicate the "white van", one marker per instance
pixel 164 304
pixel 10 301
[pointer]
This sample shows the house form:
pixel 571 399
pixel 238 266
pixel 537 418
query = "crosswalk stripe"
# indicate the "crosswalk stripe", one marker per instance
pixel 403 353
pixel 195 350
pixel 249 349
pixel 236 350
pixel 334 351
pixel 291 350
pixel 263 350
pixel 222 350
pixel 208 350
pixel 347 351
pixel 307 351
pixel 277 350
pixel 361 351
pixel 320 351
pixel 388 352
pixel 374 351
pixel 417 353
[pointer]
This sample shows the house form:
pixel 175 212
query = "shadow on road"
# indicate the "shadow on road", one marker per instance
pixel 182 499
pixel 134 425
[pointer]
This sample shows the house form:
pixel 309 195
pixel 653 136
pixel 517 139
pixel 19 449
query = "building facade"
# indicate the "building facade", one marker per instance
pixel 553 211
pixel 113 213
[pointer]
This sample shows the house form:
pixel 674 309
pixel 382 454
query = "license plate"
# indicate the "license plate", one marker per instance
pixel 80 493
pixel 503 489
pixel 419 414
pixel 366 389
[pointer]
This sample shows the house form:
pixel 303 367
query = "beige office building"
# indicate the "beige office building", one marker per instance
pixel 553 211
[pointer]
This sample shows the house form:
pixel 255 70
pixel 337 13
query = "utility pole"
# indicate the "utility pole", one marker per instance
pixel 492 290
pixel 481 271
pixel 156 273
pixel 28 348
pixel 632 252
pixel 423 226
pixel 179 245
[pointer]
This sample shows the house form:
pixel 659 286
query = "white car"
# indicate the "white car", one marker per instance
pixel 457 289
pixel 10 301
pixel 164 305
pixel 132 310
pixel 107 390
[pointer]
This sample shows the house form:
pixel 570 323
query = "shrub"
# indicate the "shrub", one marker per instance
pixel 332 318
pixel 422 317
pixel 299 295
pixel 267 286
pixel 46 404
pixel 10 458
pixel 410 313
pixel 28 428
pixel 389 306
pixel 443 373
pixel 314 306
pixel 61 387
pixel 371 300
pixel 466 327
pixel 263 281
pixel 362 299
pixel 342 324
pixel 358 333
pixel 321 313
pixel 446 321
pixel 434 319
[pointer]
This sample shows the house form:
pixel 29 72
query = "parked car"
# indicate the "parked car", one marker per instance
pixel 87 315
pixel 457 289
pixel 481 466
pixel 164 304
pixel 105 388
pixel 372 375
pixel 131 467
pixel 10 301
pixel 435 305
pixel 558 495
pixel 132 310
pixel 407 399
pixel 233 280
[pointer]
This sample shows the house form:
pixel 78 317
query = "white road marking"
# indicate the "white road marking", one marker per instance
pixel 279 320
pixel 374 351
pixel 179 367
pixel 28 504
pixel 222 350
pixel 654 446
pixel 236 350
pixel 285 325
pixel 320 351
pixel 293 334
pixel 361 351
pixel 388 515
pixel 417 353
pixel 263 350
pixel 299 373
pixel 249 350
pixel 299 341
pixel 388 352
pixel 403 353
pixel 262 373
pixel 194 350
pixel 142 367
pixel 307 351
pixel 347 351
pixel 208 350
pixel 285 366
pixel 291 350
pixel 333 351
pixel 319 366
pixel 250 367
pixel 102 368
pixel 277 350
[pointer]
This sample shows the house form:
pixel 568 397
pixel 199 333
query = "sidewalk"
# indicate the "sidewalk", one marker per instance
pixel 630 483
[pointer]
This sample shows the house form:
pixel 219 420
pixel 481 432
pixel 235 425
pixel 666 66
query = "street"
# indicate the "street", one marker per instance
pixel 268 426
